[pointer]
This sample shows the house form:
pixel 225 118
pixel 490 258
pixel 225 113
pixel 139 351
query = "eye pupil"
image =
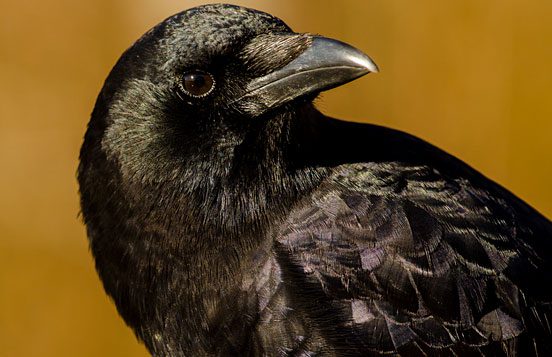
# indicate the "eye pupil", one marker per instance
pixel 197 83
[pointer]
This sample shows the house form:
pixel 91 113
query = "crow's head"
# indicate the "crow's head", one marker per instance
pixel 197 85
pixel 207 113
pixel 212 102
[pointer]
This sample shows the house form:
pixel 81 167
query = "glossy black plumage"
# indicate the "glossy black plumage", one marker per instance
pixel 226 226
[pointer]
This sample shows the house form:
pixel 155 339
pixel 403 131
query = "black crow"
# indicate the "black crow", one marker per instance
pixel 228 217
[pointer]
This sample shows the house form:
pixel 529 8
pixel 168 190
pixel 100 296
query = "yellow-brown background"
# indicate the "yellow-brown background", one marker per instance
pixel 472 76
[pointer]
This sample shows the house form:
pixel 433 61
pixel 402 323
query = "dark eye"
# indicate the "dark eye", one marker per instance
pixel 197 83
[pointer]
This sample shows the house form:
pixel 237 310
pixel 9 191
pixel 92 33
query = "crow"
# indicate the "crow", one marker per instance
pixel 228 217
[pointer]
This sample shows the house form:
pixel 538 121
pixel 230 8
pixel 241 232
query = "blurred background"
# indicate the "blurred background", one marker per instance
pixel 472 76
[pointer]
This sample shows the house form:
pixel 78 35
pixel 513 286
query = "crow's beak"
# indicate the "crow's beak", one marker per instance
pixel 325 64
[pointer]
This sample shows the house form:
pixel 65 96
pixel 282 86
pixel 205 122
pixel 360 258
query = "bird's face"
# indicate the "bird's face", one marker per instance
pixel 203 78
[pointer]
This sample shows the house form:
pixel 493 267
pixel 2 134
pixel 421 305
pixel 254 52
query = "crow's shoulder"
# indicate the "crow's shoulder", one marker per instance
pixel 390 257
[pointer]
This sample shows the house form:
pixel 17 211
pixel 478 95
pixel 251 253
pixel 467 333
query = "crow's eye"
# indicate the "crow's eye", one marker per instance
pixel 197 83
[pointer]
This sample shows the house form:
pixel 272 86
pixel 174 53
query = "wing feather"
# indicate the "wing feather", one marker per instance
pixel 410 260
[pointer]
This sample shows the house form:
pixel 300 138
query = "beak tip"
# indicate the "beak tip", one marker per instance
pixel 375 68
pixel 345 54
pixel 371 67
pixel 364 62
